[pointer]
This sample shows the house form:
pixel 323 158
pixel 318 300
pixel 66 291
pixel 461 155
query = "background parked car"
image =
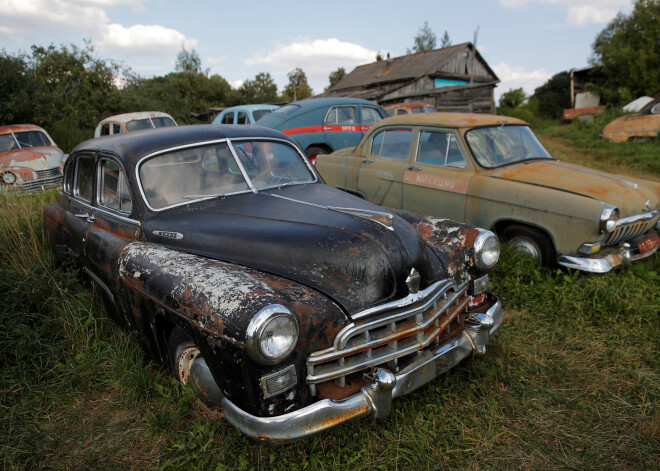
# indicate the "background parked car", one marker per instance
pixel 322 125
pixel 492 172
pixel 291 304
pixel 29 158
pixel 244 114
pixel 408 108
pixel 133 122
pixel 642 125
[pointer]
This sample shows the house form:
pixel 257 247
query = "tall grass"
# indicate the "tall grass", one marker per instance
pixel 571 380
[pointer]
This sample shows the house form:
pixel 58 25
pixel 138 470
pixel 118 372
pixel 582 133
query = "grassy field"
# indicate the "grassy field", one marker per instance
pixel 571 381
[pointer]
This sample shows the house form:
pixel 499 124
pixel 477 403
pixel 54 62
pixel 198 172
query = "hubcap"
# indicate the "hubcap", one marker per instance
pixel 526 246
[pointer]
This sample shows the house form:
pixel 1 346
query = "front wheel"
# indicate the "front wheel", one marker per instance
pixel 532 242
pixel 183 352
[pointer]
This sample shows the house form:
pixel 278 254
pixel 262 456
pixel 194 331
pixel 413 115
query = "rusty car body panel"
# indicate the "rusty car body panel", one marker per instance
pixel 412 107
pixel 559 212
pixel 29 158
pixel 642 125
pixel 210 261
pixel 135 121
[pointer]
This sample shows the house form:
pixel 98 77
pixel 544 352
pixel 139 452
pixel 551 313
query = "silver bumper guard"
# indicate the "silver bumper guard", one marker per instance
pixel 605 261
pixel 376 398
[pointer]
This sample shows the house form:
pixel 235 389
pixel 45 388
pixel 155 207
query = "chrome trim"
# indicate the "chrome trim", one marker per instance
pixel 100 283
pixel 630 227
pixel 480 285
pixel 376 397
pixel 609 211
pixel 255 329
pixel 479 244
pixel 606 261
pixel 265 379
pixel 104 211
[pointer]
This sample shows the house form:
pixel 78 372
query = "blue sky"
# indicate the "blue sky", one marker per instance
pixel 524 41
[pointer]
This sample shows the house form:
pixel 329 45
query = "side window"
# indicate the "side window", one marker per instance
pixel 228 118
pixel 114 192
pixel 341 115
pixel 105 129
pixel 370 116
pixel 242 118
pixel 84 180
pixel 440 148
pixel 392 144
pixel 69 173
pixel 116 128
pixel 401 111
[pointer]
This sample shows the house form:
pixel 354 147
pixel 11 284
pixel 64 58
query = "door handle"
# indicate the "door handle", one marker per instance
pixel 82 215
pixel 415 169
pixel 91 218
pixel 367 161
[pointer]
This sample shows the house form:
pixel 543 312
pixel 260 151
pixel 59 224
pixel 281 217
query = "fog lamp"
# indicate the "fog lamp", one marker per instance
pixel 279 382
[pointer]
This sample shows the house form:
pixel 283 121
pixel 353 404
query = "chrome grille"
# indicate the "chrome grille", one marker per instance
pixel 41 183
pixel 48 173
pixel 409 326
pixel 629 228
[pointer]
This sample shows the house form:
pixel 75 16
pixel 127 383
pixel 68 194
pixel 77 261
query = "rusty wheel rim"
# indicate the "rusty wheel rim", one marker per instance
pixel 185 360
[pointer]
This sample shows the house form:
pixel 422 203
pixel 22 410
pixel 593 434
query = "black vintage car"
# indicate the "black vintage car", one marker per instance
pixel 292 305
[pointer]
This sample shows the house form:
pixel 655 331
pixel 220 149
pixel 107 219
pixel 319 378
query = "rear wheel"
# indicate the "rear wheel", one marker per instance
pixel 183 353
pixel 532 242
pixel 313 151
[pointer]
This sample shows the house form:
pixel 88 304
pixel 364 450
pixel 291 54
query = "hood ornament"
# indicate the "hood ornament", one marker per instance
pixel 413 281
pixel 648 205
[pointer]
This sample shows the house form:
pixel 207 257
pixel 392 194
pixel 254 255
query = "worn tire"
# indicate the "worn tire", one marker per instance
pixel 183 352
pixel 532 241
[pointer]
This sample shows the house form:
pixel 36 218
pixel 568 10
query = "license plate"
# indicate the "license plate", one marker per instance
pixel 648 244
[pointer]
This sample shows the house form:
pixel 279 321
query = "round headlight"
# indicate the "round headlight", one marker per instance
pixel 608 219
pixel 486 251
pixel 8 178
pixel 272 334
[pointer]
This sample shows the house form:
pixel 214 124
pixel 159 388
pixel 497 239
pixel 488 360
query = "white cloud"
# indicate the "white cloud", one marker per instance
pixel 315 56
pixel 580 12
pixel 236 84
pixel 24 17
pixel 144 40
pixel 515 76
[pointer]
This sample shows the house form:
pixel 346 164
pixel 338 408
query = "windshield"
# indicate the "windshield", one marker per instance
pixel 494 146
pixel 194 173
pixel 162 122
pixel 21 140
pixel 138 124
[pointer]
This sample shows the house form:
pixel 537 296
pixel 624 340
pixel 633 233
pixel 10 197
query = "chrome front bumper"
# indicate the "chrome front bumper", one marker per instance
pixel 605 260
pixel 375 399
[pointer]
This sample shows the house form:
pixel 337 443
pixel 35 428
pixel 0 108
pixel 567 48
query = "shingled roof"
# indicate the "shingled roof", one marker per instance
pixel 409 67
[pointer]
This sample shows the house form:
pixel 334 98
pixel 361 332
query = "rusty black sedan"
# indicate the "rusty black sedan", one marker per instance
pixel 291 305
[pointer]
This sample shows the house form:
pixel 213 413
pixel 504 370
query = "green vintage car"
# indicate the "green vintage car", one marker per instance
pixel 492 172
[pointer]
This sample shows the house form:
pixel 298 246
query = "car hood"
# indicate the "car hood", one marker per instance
pixel 628 194
pixel 291 232
pixel 37 158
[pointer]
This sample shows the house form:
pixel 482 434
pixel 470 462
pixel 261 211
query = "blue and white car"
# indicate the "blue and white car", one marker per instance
pixel 244 114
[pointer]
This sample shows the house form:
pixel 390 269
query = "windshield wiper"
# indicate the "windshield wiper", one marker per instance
pixel 212 195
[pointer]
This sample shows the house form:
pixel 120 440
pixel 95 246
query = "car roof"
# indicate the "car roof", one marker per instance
pixel 263 106
pixel 126 117
pixel 132 146
pixel 454 120
pixel 409 105
pixel 19 127
pixel 330 101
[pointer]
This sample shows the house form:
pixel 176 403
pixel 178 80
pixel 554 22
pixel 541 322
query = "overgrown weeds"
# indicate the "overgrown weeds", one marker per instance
pixel 570 381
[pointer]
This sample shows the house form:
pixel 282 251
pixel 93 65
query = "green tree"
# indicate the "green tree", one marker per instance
pixel 17 89
pixel 627 54
pixel 551 98
pixel 188 62
pixel 425 40
pixel 446 40
pixel 298 88
pixel 379 57
pixel 513 98
pixel 335 77
pixel 260 90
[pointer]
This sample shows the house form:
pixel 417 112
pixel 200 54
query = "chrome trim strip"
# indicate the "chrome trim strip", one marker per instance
pixel 620 180
pixel 104 211
pixel 374 399
pixel 638 217
pixel 100 283
pixel 604 263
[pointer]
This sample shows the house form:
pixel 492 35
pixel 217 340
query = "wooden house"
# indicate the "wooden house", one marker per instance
pixel 454 78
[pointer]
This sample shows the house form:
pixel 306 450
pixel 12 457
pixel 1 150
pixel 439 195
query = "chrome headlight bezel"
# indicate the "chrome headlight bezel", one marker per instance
pixel 608 219
pixel 486 251
pixel 9 178
pixel 258 328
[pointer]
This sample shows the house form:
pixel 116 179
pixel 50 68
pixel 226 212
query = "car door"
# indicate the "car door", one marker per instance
pixel 438 179
pixel 341 127
pixel 79 215
pixel 381 172
pixel 113 224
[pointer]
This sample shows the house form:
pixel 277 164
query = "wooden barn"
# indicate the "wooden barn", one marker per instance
pixel 454 78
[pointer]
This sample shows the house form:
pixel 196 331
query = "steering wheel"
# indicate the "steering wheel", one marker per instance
pixel 512 152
